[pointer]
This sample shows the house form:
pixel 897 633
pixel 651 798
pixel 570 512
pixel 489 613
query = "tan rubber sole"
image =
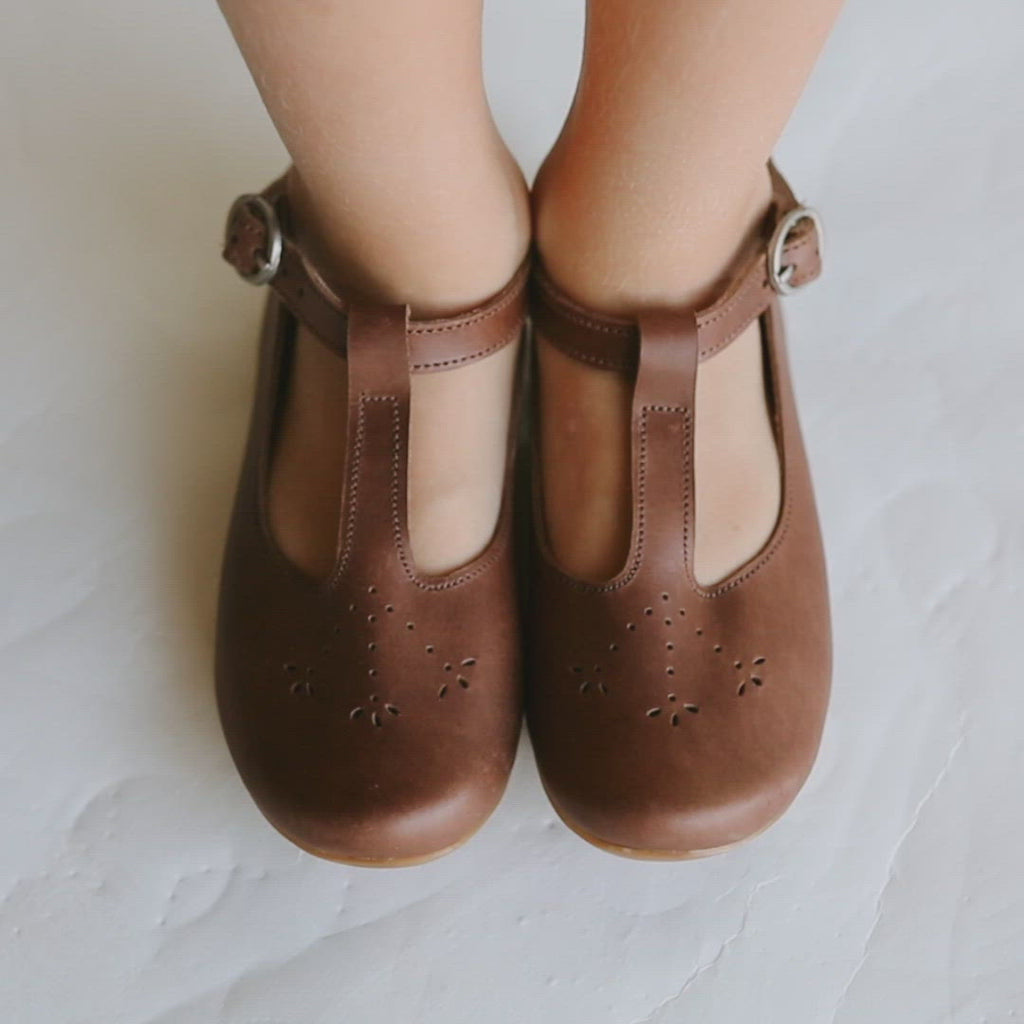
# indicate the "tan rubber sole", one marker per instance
pixel 383 862
pixel 630 852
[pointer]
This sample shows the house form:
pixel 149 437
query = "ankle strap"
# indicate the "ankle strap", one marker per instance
pixel 260 244
pixel 784 256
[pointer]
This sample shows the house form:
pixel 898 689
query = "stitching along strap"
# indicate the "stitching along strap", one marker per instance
pixel 260 244
pixel 613 343
pixel 663 414
pixel 378 435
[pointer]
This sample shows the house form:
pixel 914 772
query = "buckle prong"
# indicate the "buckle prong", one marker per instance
pixel 267 264
pixel 780 275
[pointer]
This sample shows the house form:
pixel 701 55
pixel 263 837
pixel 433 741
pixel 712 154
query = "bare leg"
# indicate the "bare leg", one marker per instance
pixel 656 179
pixel 411 196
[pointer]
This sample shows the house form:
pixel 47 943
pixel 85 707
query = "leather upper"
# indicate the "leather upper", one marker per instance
pixel 669 718
pixel 374 715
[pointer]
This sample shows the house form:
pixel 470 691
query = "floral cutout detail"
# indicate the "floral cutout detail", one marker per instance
pixel 660 616
pixel 375 712
pixel 672 711
pixel 755 676
pixel 299 684
pixel 460 675
pixel 590 682
pixel 376 619
pixel 456 672
pixel 665 622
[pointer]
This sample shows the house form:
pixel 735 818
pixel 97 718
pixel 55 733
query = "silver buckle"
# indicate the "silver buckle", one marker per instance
pixel 266 265
pixel 780 276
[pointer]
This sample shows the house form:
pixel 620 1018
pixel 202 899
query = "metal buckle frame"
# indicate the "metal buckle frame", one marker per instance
pixel 780 275
pixel 268 265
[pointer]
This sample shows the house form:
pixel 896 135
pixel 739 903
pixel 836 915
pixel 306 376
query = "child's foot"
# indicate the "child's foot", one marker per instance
pixel 584 432
pixel 458 436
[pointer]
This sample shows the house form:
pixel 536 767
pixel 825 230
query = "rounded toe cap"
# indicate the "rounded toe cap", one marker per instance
pixel 372 783
pixel 371 827
pixel 677 822
pixel 384 836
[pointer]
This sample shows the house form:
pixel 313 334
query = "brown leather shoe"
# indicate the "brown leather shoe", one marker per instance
pixel 373 716
pixel 670 719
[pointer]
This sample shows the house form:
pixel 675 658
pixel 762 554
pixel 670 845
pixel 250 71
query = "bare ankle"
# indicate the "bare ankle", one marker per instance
pixel 455 254
pixel 459 418
pixel 616 263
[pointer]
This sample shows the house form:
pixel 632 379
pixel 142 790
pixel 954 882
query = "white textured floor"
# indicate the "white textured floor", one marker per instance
pixel 137 881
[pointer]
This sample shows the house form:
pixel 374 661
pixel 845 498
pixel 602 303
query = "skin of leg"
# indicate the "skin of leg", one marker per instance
pixel 657 178
pixel 405 193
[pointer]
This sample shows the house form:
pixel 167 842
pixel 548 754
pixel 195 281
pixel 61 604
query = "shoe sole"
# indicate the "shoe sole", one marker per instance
pixel 377 862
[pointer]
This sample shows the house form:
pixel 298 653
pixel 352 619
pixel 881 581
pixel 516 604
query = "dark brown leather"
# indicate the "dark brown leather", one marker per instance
pixel 373 716
pixel 668 718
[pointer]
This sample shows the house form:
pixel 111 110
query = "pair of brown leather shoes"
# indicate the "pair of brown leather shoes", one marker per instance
pixel 374 715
